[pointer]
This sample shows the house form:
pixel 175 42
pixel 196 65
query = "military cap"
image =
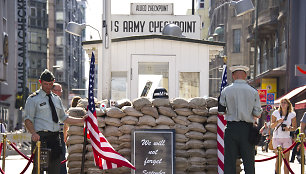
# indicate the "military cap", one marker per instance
pixel 47 76
pixel 239 68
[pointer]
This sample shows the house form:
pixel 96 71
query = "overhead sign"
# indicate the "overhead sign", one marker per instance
pixel 137 25
pixel 300 70
pixel 262 95
pixel 153 151
pixel 270 98
pixel 151 8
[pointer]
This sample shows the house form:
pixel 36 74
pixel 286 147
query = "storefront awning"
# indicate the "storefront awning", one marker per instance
pixel 300 105
pixel 291 94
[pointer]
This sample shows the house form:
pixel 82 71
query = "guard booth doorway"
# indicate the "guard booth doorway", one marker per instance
pixel 151 71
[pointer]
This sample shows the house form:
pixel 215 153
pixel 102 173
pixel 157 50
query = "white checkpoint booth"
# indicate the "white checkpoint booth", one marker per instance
pixel 140 64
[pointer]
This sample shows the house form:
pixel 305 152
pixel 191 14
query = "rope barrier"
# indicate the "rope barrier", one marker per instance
pixel 1 145
pixel 20 153
pixel 267 159
pixel 287 164
pixel 62 162
pixel 29 161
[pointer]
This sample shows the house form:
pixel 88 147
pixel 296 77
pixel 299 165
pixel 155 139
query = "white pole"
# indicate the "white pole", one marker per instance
pixel 104 66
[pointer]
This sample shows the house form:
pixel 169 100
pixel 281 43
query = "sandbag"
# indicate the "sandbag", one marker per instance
pixel 115 112
pixel 198 103
pixel 129 120
pixel 129 110
pixel 167 111
pixel 148 110
pixel 147 120
pixel 197 118
pixel 179 103
pixel 202 112
pixel 161 102
pixel 183 111
pixel 163 120
pixel 141 102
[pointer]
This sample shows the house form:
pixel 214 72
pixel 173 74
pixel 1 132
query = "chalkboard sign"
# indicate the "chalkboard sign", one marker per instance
pixel 153 151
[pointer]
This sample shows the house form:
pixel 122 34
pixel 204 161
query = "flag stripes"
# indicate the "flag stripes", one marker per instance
pixel 221 123
pixel 104 154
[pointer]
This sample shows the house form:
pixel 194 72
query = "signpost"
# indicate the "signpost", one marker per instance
pixel 262 95
pixel 270 98
pixel 153 151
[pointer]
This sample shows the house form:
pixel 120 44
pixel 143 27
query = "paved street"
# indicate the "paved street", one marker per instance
pixel 15 164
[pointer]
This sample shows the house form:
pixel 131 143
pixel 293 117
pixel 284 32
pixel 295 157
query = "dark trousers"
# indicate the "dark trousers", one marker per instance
pixel 236 144
pixel 49 140
pixel 295 152
pixel 63 156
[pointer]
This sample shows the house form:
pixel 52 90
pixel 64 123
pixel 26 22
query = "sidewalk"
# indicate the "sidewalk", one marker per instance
pixel 268 167
pixel 14 164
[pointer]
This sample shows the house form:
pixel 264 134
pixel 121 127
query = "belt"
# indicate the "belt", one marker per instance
pixel 237 122
pixel 47 132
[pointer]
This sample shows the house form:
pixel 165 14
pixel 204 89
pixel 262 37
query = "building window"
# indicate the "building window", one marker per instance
pixel 119 83
pixel 201 4
pixel 33 11
pixel 236 40
pixel 189 84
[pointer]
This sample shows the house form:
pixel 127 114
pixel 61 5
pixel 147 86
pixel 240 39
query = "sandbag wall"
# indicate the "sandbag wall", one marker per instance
pixel 195 123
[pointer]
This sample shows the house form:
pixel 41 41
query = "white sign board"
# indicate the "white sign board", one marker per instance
pixel 151 8
pixel 135 25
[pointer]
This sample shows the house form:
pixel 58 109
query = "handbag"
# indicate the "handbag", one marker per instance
pixel 254 135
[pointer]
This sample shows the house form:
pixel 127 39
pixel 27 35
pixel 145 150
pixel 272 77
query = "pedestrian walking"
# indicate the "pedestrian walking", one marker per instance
pixel 2 126
pixel 284 121
pixel 58 90
pixel 241 105
pixel 43 111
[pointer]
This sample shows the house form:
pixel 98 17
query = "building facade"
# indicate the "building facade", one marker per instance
pixel 65 54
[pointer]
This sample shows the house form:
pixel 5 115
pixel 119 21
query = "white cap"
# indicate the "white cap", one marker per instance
pixel 239 68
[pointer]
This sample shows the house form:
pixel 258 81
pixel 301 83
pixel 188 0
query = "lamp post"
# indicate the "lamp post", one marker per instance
pixel 241 7
pixel 104 66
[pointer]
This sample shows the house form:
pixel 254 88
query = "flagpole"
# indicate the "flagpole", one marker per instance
pixel 84 149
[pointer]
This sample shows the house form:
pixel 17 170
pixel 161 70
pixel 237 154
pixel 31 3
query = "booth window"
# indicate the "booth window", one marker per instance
pixel 118 85
pixel 152 75
pixel 189 84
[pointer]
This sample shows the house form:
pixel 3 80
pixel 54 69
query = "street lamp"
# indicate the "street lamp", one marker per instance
pixel 76 29
pixel 104 70
pixel 241 7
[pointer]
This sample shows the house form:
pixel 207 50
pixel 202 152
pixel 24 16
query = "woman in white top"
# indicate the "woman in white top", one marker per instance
pixel 283 121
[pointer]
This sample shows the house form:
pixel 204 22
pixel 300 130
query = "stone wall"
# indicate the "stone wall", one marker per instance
pixel 195 123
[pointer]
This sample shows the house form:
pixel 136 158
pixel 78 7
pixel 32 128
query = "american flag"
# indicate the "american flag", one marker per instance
pixel 104 154
pixel 221 127
pixel 224 78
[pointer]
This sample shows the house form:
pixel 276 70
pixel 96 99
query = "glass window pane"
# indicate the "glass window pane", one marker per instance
pixel 152 75
pixel 189 84
pixel 236 46
pixel 118 85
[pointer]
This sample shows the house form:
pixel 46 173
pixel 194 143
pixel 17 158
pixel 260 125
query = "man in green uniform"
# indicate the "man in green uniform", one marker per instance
pixel 43 111
pixel 240 103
